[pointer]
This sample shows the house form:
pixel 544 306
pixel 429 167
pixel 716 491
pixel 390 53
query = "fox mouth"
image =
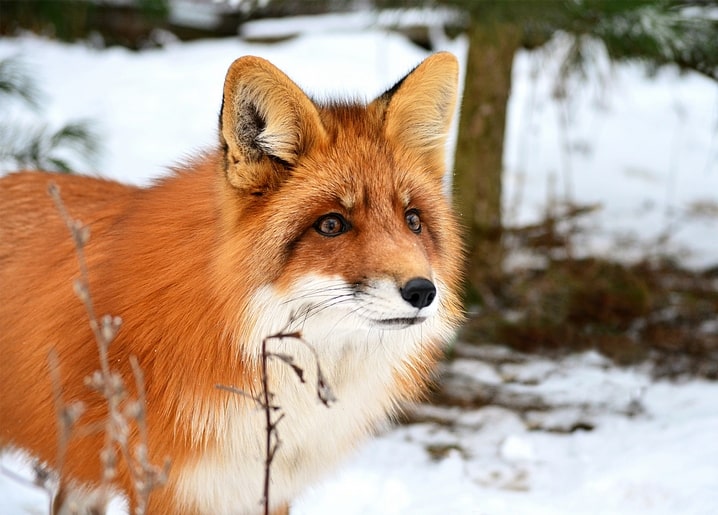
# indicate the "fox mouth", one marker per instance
pixel 398 323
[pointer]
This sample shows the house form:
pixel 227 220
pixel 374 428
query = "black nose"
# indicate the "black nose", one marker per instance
pixel 418 292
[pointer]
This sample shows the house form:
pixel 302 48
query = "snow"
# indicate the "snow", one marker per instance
pixel 358 21
pixel 643 148
pixel 157 106
pixel 607 440
pixel 663 461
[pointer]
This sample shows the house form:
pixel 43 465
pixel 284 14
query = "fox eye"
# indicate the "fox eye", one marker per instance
pixel 413 221
pixel 331 225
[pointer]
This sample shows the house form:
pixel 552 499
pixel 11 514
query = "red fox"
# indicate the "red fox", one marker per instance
pixel 325 219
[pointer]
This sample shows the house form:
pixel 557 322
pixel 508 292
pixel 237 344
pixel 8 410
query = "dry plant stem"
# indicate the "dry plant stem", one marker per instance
pixel 148 477
pixel 63 427
pixel 121 411
pixel 103 338
pixel 271 429
pixel 80 235
pixel 43 479
pixel 265 401
pixel 66 416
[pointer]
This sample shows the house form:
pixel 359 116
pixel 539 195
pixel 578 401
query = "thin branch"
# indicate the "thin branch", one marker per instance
pixel 272 442
pixel 121 410
pixel 271 429
pixel 66 416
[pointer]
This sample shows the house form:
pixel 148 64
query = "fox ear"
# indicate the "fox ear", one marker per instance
pixel 418 110
pixel 266 123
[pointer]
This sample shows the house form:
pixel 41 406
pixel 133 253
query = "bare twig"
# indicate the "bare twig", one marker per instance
pixel 121 410
pixel 66 416
pixel 266 401
pixel 147 476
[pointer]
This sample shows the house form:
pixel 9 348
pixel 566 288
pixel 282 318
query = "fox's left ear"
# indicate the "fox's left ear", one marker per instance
pixel 267 124
pixel 418 110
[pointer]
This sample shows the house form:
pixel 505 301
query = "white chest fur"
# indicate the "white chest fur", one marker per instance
pixel 360 363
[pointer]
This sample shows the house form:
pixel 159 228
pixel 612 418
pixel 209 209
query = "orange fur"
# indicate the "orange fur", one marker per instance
pixel 200 267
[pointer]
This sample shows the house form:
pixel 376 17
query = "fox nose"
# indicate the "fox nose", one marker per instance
pixel 418 292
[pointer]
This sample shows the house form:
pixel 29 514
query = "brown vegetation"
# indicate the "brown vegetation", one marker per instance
pixel 652 309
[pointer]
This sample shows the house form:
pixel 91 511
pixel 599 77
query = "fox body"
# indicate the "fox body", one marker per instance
pixel 323 219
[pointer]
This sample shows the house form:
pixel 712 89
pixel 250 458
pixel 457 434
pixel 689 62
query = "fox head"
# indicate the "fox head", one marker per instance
pixel 335 213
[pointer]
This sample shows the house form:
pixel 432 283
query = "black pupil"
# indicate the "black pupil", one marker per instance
pixel 331 225
pixel 413 221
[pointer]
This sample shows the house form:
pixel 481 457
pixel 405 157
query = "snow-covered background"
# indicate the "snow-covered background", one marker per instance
pixel 607 440
pixel 643 148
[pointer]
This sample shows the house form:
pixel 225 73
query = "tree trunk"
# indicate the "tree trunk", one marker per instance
pixel 480 149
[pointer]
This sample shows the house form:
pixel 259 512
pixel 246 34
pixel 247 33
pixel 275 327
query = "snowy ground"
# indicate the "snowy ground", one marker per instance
pixel 652 449
pixel 604 441
pixel 607 440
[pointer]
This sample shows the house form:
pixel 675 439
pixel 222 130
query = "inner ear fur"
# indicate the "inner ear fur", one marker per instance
pixel 418 110
pixel 266 121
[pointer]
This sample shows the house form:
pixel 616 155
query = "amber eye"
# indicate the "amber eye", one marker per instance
pixel 413 221
pixel 332 224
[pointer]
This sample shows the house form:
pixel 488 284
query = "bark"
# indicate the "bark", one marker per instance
pixel 480 149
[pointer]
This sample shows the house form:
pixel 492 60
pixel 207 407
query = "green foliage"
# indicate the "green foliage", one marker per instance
pixel 128 23
pixel 157 9
pixel 659 32
pixel 43 148
pixel 16 82
pixel 64 19
pixel 37 145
